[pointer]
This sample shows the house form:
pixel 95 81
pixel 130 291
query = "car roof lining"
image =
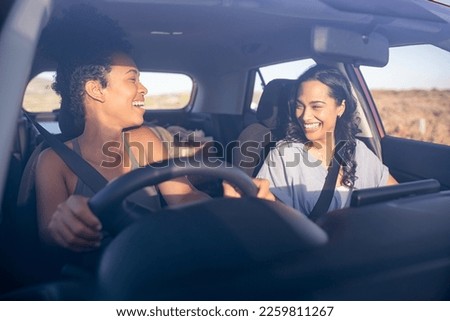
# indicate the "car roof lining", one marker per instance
pixel 245 34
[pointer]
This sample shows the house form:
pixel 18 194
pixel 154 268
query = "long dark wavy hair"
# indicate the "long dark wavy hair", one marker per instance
pixel 346 129
pixel 82 42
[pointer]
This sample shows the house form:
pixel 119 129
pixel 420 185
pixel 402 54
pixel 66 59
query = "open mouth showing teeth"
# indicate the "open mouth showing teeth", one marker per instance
pixel 138 103
pixel 311 126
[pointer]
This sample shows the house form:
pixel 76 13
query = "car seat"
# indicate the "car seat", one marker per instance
pixel 256 140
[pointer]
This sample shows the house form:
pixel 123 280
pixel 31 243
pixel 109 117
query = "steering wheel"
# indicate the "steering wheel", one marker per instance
pixel 104 204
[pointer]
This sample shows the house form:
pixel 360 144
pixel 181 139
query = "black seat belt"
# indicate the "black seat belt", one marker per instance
pixel 81 168
pixel 324 201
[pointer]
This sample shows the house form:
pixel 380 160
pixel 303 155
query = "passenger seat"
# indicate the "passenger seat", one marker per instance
pixel 256 140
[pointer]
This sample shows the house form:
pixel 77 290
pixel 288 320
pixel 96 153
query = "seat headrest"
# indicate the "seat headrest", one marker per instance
pixel 268 106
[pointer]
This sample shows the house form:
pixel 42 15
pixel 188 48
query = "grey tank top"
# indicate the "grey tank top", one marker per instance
pixel 147 197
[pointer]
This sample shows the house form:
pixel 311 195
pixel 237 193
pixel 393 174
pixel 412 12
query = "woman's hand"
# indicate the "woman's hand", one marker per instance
pixel 263 190
pixel 74 226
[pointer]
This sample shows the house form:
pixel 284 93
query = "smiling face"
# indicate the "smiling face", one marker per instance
pixel 317 111
pixel 124 94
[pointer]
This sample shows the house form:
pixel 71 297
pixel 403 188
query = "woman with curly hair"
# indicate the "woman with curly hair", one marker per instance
pixel 101 102
pixel 320 124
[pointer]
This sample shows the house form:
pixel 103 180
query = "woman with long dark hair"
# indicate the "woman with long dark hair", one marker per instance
pixel 320 124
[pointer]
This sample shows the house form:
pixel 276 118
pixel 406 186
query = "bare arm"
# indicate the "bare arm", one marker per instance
pixel 180 191
pixel 175 191
pixel 261 183
pixel 63 220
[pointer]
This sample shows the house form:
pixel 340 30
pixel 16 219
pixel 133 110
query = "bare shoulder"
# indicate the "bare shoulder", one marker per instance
pixel 50 164
pixel 48 158
pixel 142 134
pixel 152 145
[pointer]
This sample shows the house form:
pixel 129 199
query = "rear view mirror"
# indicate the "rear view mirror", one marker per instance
pixel 350 46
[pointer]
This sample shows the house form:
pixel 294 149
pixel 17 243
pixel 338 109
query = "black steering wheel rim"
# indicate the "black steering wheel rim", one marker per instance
pixel 113 194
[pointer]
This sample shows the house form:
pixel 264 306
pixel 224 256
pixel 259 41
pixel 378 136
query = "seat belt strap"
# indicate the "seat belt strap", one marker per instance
pixel 80 167
pixel 324 201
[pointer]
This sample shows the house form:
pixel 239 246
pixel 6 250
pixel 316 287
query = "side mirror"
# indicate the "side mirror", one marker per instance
pixel 350 46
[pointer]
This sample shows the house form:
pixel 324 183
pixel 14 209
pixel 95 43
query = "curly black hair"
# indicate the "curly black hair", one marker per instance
pixel 82 42
pixel 347 126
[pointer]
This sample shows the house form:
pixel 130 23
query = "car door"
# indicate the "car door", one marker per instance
pixel 410 104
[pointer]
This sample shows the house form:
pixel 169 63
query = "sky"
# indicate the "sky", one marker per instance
pixel 425 67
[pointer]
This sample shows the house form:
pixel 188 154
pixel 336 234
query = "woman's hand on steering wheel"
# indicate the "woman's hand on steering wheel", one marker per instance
pixel 74 227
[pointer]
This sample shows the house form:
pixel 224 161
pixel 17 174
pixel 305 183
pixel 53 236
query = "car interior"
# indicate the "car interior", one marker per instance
pixel 392 242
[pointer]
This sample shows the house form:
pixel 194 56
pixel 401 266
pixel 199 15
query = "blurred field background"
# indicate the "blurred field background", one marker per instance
pixel 417 114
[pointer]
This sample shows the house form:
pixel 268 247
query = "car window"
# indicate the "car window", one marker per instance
pixel 412 93
pixel 289 70
pixel 165 91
